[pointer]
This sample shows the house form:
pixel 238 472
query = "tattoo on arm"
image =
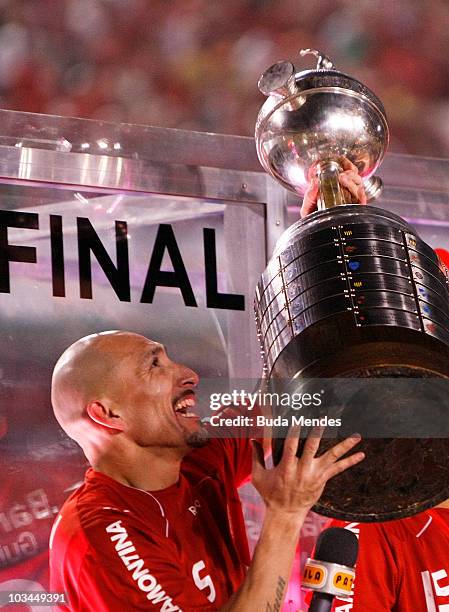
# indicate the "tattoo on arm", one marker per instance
pixel 278 597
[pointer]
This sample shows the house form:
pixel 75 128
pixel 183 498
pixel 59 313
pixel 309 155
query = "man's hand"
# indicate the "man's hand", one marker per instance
pixel 289 491
pixel 349 180
pixel 296 484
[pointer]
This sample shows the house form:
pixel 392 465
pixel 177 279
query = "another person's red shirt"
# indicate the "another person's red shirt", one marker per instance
pixel 114 547
pixel 35 484
pixel 403 565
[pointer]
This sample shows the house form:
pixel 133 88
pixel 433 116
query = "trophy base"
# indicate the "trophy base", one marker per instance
pixel 400 476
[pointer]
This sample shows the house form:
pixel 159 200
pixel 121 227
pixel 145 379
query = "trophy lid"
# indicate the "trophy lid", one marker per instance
pixel 281 79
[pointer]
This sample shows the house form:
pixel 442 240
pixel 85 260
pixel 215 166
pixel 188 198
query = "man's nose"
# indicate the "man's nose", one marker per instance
pixel 188 377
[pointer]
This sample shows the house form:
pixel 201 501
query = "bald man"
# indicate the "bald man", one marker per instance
pixel 158 523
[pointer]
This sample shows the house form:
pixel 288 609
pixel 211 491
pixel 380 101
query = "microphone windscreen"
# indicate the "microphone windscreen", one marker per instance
pixel 337 545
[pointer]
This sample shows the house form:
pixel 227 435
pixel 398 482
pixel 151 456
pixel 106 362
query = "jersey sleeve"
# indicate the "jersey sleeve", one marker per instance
pixel 126 569
pixel 376 574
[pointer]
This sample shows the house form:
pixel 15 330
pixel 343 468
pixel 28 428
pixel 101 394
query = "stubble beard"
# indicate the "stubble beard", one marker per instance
pixel 196 439
pixel 185 438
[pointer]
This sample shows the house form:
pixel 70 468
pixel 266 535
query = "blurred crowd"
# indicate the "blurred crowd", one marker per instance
pixel 194 64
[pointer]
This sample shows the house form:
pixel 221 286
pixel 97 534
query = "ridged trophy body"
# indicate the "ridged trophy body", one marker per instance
pixel 352 292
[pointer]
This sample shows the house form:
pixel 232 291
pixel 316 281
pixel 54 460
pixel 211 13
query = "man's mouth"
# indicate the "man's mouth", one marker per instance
pixel 182 407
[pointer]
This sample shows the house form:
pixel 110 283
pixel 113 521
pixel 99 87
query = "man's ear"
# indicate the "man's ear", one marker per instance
pixel 103 415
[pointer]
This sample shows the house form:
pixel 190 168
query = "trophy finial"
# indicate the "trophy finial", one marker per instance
pixel 278 79
pixel 323 61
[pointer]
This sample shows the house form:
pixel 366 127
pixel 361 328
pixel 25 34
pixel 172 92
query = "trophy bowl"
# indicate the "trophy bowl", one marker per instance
pixel 315 117
pixel 353 295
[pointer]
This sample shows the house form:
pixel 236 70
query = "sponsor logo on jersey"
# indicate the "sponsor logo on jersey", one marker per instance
pixel 194 508
pixel 439 580
pixel 204 582
pixel 145 581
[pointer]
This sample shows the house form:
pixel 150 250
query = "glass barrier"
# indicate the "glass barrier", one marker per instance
pixel 177 270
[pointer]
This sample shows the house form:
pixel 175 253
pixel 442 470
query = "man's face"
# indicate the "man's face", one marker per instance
pixel 158 397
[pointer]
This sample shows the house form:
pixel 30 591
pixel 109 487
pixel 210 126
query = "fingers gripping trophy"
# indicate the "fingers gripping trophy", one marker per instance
pixel 351 291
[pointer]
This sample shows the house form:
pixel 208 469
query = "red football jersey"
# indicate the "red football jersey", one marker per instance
pixel 403 565
pixel 115 547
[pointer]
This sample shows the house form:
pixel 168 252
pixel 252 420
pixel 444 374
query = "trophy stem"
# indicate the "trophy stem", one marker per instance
pixel 331 193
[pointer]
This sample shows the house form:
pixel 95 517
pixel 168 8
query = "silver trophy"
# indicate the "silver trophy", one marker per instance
pixel 313 119
pixel 351 292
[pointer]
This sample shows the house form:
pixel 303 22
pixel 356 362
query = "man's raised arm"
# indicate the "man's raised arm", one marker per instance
pixel 289 490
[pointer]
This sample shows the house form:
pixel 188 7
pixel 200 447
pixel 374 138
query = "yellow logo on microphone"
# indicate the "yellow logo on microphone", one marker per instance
pixel 314 575
pixel 343 581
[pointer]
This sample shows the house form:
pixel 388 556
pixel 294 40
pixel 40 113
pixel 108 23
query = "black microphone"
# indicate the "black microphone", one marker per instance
pixel 331 572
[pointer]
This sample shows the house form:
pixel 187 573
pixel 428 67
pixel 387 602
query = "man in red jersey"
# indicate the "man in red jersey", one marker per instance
pixel 403 565
pixel 158 523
